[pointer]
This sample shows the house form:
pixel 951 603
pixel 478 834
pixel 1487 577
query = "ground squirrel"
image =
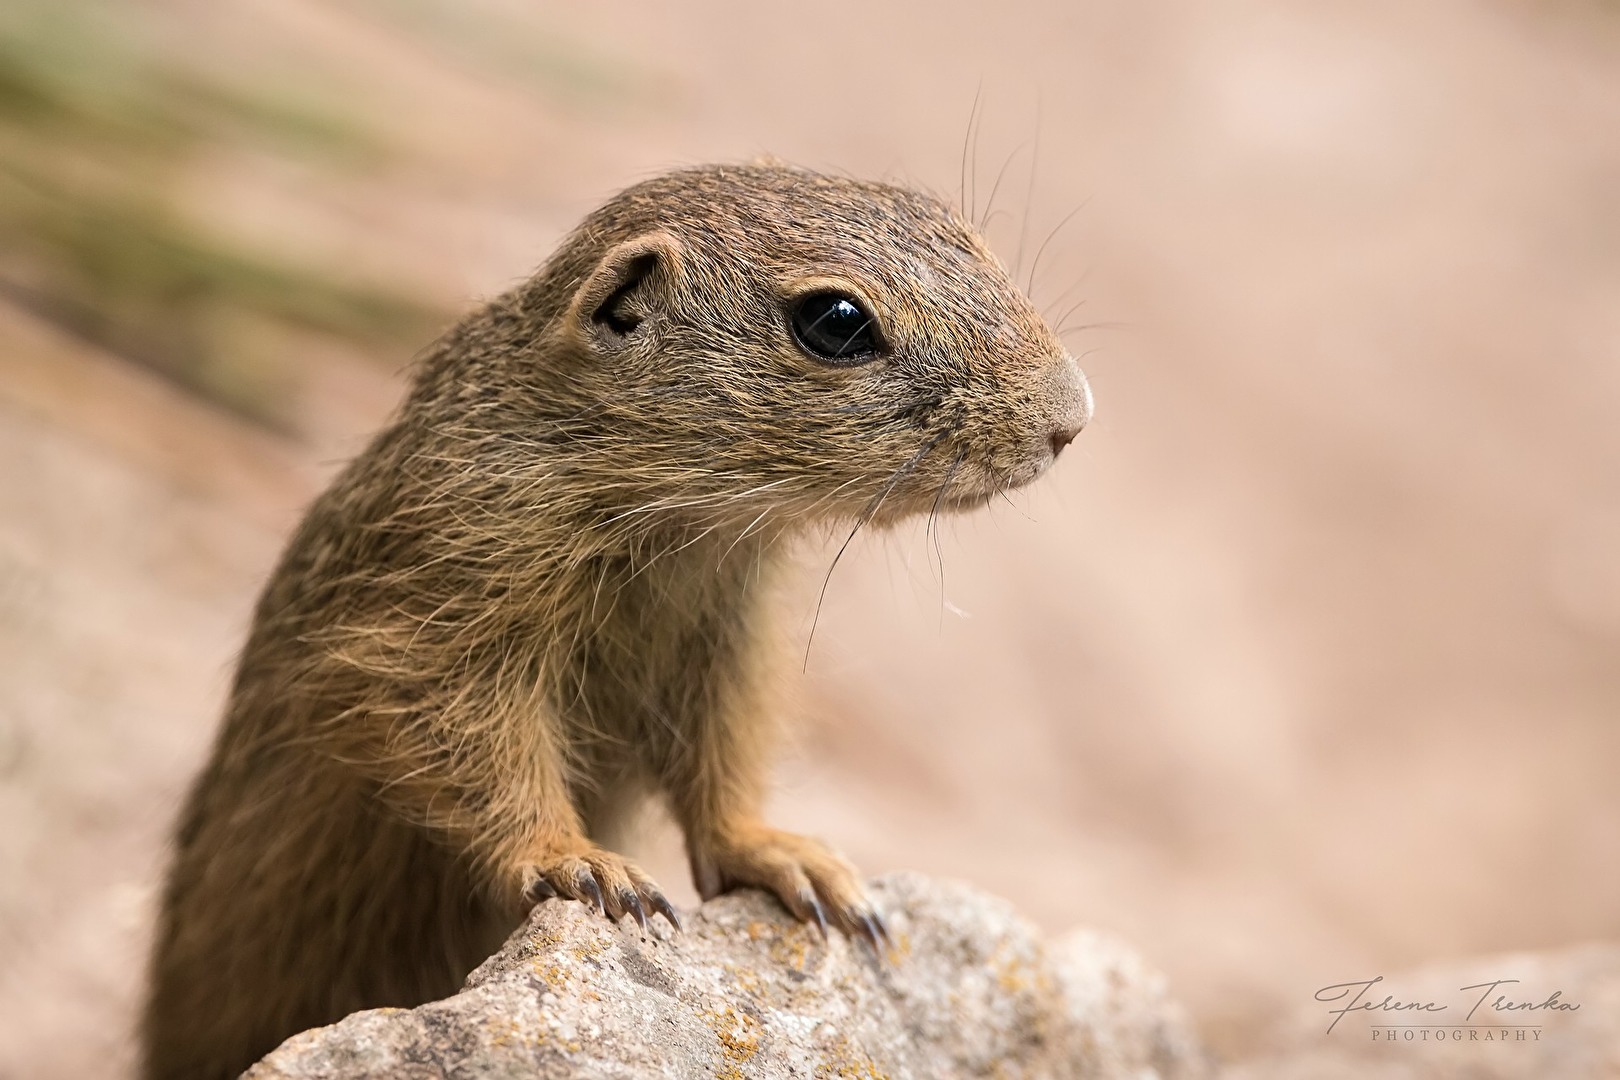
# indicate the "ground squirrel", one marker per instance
pixel 540 595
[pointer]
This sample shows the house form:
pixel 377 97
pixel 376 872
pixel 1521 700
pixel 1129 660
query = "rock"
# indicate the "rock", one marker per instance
pixel 1573 1035
pixel 970 989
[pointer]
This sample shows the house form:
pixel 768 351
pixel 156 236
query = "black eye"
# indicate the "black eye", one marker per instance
pixel 835 328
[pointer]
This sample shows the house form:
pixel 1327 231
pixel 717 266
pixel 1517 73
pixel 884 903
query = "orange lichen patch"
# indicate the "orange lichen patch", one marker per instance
pixel 1015 974
pixel 847 1062
pixel 739 1040
pixel 792 951
pixel 861 1070
pixel 559 976
pixel 505 1031
pixel 552 974
pixel 1011 978
pixel 543 937
pixel 745 979
pixel 591 948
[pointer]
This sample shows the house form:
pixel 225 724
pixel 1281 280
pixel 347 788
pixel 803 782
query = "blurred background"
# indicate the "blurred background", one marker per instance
pixel 1303 666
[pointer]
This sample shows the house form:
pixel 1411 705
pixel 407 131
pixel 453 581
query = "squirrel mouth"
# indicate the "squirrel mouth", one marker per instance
pixel 973 489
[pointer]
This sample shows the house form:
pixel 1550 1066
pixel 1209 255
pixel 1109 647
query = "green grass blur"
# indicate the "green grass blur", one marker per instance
pixel 96 124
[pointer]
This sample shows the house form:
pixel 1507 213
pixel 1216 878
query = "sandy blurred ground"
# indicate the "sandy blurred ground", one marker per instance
pixel 1304 667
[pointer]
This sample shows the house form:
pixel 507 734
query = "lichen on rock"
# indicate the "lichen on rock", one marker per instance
pixel 969 989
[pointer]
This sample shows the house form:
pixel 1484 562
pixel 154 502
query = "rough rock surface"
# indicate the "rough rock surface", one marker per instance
pixel 970 989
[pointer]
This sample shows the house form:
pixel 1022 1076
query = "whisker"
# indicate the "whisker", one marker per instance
pixel 975 122
pixel 984 226
pixel 666 552
pixel 1016 508
pixel 989 207
pixel 1029 193
pixel 706 500
pixel 829 496
pixel 1034 267
pixel 858 332
pixel 866 515
pixel 825 314
pixel 933 528
pixel 1061 298
pixel 973 115
pixel 1069 312
pixel 743 534
pixel 1106 325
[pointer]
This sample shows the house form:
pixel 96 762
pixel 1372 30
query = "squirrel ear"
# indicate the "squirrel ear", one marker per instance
pixel 626 286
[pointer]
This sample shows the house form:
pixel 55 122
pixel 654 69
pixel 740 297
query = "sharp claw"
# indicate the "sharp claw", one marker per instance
pixel 870 933
pixel 540 889
pixel 883 930
pixel 593 892
pixel 663 907
pixel 632 903
pixel 816 913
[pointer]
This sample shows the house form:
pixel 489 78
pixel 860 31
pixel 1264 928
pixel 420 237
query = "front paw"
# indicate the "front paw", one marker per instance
pixel 612 884
pixel 813 881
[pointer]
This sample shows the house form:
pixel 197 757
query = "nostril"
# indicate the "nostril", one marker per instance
pixel 1062 438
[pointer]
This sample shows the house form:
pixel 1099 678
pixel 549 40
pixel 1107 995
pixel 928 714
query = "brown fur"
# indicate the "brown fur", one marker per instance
pixel 540 596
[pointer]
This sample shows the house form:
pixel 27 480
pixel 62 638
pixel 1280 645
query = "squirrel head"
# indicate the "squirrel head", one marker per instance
pixel 728 341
